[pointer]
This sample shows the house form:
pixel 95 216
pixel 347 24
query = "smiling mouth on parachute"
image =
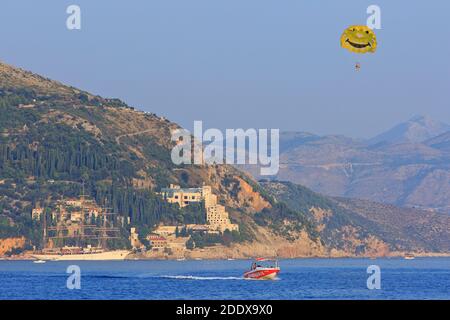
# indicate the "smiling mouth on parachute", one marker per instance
pixel 357 45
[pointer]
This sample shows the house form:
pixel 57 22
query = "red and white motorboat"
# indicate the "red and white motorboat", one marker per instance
pixel 263 269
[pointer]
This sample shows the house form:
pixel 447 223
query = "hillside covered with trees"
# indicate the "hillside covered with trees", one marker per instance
pixel 56 141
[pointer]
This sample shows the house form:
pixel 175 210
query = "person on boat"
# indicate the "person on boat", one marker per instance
pixel 253 265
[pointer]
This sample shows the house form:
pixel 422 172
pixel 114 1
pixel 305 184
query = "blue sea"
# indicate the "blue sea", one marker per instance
pixel 422 278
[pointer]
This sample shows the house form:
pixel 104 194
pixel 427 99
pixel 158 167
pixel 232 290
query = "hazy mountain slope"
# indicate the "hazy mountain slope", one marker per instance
pixel 405 174
pixel 441 142
pixel 365 225
pixel 404 225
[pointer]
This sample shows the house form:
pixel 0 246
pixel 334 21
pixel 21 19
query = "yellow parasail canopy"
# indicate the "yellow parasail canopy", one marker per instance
pixel 359 39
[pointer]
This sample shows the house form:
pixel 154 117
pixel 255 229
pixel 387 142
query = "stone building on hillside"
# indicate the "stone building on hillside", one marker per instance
pixel 36 213
pixel 216 214
pixel 218 219
pixel 182 196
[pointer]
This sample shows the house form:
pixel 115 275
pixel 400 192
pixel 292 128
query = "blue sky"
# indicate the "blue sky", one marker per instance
pixel 243 63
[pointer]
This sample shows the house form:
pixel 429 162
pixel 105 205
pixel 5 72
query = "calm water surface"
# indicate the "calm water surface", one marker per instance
pixel 422 278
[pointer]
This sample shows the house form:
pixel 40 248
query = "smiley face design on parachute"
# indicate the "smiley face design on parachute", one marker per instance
pixel 359 39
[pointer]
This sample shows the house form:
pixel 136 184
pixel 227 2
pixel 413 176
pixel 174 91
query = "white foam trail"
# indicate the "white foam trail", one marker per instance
pixel 201 278
pixel 253 279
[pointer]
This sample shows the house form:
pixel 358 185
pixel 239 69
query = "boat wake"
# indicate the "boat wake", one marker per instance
pixel 173 277
pixel 189 277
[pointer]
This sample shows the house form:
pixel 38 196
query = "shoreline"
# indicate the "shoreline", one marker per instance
pixel 141 257
pixel 396 256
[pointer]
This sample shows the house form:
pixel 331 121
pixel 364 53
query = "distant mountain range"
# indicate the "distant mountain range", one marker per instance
pixel 418 129
pixel 408 165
